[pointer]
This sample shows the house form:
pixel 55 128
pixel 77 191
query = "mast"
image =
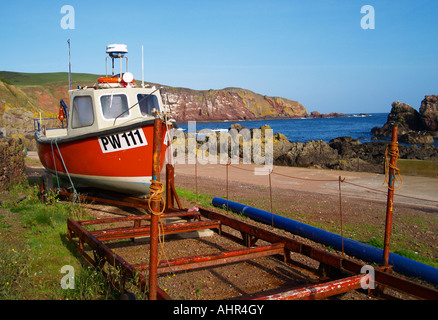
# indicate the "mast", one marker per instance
pixel 142 68
pixel 69 66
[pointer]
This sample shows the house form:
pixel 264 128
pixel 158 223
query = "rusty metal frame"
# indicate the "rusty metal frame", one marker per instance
pixel 337 273
pixel 347 272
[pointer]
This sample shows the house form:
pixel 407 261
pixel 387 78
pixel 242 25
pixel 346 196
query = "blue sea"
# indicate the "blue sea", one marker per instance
pixel 303 130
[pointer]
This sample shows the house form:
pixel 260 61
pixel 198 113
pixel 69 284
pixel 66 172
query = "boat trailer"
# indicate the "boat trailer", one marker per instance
pixel 336 274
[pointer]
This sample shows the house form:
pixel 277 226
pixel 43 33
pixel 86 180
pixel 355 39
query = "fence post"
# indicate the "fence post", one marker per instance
pixel 393 151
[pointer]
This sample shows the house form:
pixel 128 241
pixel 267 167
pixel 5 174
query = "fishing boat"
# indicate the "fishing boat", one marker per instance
pixel 106 138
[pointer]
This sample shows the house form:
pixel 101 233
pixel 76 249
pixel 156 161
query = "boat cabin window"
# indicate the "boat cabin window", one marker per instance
pixel 147 103
pixel 114 105
pixel 82 113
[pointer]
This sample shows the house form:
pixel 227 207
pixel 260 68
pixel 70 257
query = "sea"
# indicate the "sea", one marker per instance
pixel 357 126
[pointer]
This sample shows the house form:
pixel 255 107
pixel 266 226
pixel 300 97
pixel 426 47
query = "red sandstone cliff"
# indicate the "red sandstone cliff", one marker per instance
pixel 229 104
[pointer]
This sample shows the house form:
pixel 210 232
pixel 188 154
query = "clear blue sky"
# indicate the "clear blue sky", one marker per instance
pixel 312 51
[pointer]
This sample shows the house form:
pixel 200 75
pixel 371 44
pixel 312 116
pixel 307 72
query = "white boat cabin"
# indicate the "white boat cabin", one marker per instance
pixel 93 110
pixel 114 101
pixel 99 109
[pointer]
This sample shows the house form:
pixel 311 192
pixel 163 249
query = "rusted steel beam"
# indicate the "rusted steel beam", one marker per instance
pixel 176 214
pixel 319 291
pixel 341 263
pixel 393 151
pixel 103 253
pixel 171 228
pixel 132 204
pixel 171 194
pixel 407 286
pixel 216 259
pixel 155 209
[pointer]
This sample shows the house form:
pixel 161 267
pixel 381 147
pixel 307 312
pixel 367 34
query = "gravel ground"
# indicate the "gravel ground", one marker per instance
pixel 264 275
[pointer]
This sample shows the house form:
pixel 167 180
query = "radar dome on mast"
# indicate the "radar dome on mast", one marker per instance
pixel 116 50
pixel 126 79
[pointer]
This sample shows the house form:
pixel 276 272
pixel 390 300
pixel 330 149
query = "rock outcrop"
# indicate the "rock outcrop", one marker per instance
pixel 316 114
pixel 429 113
pixel 312 153
pixel 342 153
pixel 403 116
pixel 413 127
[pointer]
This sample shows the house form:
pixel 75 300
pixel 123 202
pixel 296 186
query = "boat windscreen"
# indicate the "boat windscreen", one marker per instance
pixel 114 105
pixel 147 103
pixel 82 113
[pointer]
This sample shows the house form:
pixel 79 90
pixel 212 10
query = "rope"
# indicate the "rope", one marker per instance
pixel 75 193
pixel 156 189
pixel 393 152
pixel 54 163
pixel 343 181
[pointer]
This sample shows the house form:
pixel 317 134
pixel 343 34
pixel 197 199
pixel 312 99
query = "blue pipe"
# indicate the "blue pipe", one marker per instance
pixel 358 249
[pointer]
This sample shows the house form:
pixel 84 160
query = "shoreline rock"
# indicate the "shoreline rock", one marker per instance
pixel 413 126
pixel 342 153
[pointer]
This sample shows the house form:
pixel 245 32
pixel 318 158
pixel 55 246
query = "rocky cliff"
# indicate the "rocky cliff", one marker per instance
pixel 228 104
pixel 413 126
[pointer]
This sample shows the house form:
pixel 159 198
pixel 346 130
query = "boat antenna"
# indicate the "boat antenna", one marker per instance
pixel 69 66
pixel 142 68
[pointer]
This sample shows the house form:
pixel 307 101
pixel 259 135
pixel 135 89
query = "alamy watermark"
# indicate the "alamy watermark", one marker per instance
pixel 225 147
pixel 367 282
pixel 68 20
pixel 368 20
pixel 68 281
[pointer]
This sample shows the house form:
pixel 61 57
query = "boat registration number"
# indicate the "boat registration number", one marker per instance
pixel 122 141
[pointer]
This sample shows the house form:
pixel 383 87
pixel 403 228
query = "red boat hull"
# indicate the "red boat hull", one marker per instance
pixel 95 162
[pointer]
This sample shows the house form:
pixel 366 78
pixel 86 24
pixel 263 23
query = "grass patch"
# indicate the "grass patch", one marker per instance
pixel 26 79
pixel 375 243
pixel 35 247
pixel 415 256
pixel 203 199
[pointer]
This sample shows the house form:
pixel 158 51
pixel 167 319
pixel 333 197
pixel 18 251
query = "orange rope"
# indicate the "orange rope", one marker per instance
pixel 393 152
pixel 156 189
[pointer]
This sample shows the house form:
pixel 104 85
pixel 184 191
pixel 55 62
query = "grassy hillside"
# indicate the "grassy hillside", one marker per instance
pixel 35 79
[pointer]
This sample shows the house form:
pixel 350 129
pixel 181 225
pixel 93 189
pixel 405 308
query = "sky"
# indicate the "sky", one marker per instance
pixel 330 55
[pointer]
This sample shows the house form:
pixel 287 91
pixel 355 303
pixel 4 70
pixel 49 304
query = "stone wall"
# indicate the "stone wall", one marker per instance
pixel 12 157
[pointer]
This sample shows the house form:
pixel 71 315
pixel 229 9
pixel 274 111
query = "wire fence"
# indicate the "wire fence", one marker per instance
pixel 340 182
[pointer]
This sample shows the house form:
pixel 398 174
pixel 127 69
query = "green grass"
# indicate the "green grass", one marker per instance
pixel 37 249
pixel 29 79
pixel 6 81
pixel 202 199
